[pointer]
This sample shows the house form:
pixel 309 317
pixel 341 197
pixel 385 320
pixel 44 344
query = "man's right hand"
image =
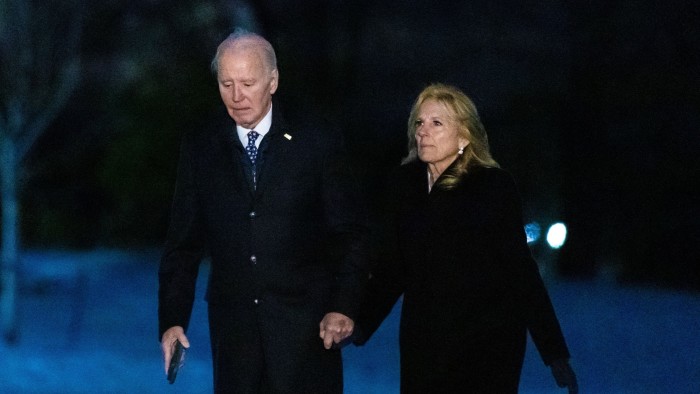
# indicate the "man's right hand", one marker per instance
pixel 167 343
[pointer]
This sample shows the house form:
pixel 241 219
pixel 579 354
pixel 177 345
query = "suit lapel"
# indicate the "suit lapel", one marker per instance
pixel 274 155
pixel 233 150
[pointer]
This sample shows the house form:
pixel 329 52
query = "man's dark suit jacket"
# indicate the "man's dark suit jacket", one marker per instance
pixel 282 255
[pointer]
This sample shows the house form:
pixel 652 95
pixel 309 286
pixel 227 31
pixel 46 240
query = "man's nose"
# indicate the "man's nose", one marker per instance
pixel 236 94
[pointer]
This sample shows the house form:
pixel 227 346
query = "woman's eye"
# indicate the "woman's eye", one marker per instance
pixel 437 123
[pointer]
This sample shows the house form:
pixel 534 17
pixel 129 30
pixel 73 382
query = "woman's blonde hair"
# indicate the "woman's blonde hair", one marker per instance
pixel 463 113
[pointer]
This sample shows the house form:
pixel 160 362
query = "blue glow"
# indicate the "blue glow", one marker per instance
pixel 533 232
pixel 556 235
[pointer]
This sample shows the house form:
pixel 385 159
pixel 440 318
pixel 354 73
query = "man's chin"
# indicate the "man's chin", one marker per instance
pixel 242 121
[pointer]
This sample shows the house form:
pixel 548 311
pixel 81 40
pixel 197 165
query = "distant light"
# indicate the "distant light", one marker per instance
pixel 556 236
pixel 533 232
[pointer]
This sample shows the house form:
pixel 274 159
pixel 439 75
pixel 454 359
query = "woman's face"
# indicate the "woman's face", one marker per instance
pixel 437 137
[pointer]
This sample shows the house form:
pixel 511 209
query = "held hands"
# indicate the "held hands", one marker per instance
pixel 334 328
pixel 167 343
pixel 564 375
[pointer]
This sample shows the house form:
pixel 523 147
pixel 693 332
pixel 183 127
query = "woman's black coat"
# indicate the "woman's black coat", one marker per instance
pixel 471 287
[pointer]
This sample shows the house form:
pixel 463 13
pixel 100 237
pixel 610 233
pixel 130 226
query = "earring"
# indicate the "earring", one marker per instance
pixel 461 150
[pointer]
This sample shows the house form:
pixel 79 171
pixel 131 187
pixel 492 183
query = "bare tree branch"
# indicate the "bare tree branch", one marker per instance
pixel 39 70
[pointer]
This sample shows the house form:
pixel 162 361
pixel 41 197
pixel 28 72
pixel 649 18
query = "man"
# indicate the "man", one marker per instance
pixel 278 212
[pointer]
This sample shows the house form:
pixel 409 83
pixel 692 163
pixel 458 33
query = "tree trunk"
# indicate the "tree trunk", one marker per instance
pixel 9 256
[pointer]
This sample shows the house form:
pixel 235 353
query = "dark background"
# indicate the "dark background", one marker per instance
pixel 594 106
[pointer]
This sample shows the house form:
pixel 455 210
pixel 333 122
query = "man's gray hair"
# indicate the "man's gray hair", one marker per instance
pixel 248 40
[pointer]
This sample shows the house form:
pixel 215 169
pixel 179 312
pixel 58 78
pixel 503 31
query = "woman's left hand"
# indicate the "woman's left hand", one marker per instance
pixel 564 375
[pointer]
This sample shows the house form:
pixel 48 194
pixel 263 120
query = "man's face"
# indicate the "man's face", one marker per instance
pixel 245 85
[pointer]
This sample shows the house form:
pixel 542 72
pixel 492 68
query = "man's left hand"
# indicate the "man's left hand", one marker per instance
pixel 334 328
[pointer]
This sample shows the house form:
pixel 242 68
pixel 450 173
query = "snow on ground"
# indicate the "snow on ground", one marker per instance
pixel 89 325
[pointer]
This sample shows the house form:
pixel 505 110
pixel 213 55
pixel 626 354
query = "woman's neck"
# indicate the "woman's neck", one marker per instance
pixel 436 169
pixel 434 172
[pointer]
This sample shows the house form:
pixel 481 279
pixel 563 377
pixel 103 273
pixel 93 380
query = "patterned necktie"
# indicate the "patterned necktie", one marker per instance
pixel 251 149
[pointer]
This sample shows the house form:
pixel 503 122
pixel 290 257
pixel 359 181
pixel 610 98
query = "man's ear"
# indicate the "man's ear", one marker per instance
pixel 274 81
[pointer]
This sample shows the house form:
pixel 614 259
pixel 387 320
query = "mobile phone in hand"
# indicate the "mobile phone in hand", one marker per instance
pixel 176 362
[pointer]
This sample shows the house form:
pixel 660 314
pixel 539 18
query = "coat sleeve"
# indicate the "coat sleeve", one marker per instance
pixel 184 248
pixel 387 281
pixel 534 301
pixel 346 220
pixel 386 284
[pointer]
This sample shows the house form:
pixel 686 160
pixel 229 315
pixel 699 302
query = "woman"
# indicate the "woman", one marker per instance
pixel 455 248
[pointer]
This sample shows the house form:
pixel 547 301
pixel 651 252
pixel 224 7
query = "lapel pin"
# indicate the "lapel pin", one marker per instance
pixel 287 136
